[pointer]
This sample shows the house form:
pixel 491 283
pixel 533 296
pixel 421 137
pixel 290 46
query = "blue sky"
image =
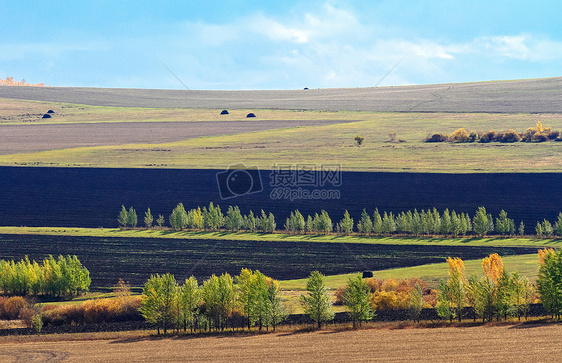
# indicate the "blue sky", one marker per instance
pixel 277 45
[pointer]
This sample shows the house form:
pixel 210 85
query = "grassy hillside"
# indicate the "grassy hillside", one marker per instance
pixel 332 144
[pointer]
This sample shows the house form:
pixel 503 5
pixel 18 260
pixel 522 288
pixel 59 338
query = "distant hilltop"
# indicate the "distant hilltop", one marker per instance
pixel 10 81
pixel 518 96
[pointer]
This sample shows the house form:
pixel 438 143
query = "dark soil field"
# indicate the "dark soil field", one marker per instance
pixel 32 137
pixel 82 197
pixel 135 259
pixel 539 95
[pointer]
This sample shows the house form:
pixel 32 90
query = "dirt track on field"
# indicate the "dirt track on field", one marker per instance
pixel 520 343
pixel 24 138
pixel 539 95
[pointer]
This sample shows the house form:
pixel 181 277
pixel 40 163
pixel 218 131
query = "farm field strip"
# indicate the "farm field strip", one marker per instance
pixel 282 237
pixel 519 342
pixel 525 265
pixel 135 259
pixel 331 143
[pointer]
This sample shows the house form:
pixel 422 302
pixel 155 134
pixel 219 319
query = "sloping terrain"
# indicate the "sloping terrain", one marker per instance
pixel 538 95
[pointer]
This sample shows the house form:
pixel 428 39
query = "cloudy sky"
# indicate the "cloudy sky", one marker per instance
pixel 277 44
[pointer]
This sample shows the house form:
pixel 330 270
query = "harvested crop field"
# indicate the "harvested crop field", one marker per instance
pixel 25 138
pixel 538 95
pixel 510 343
pixel 135 259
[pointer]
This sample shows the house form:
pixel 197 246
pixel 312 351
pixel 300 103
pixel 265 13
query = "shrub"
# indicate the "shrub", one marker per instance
pixel 527 136
pixel 539 137
pixel 510 136
pixel 437 138
pixel 553 135
pixel 473 136
pixel 488 136
pixel 338 295
pixel 460 135
pixel 13 306
pixel 359 140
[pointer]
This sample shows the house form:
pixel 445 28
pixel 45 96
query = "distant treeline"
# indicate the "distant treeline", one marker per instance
pixel 417 223
pixel 532 134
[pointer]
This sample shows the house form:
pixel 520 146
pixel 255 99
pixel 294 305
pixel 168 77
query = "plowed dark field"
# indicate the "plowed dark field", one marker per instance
pixel 81 197
pixel 135 259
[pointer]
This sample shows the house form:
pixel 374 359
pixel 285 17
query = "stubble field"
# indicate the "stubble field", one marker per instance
pixel 508 343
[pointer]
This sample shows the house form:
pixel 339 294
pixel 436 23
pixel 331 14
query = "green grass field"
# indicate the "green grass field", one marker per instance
pixel 281 237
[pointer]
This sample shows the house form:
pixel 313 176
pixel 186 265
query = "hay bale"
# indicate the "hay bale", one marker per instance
pixel 224 112
pixel 50 111
pixel 367 274
pixel 46 116
pixel 251 114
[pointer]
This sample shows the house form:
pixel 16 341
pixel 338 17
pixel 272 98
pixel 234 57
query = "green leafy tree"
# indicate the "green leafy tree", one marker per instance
pixel 148 219
pixel 132 218
pixel 346 224
pixel 267 222
pixel 357 300
pixel 233 221
pixel 189 300
pixel 218 295
pixel 558 225
pixel 251 222
pixel 178 218
pixel 365 225
pixel 521 229
pixel 539 230
pixel 160 221
pixel 452 292
pixel 521 295
pixel 549 281
pixel 295 223
pixel 481 222
pixel 317 304
pixel 415 302
pixel 123 217
pixel 446 222
pixel 158 300
pixel 213 217
pixel 388 225
pixel 195 219
pixel 377 222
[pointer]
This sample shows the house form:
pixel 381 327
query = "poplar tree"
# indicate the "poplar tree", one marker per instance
pixel 365 226
pixel 317 304
pixel 357 300
pixel 132 218
pixel 178 218
pixel 346 224
pixel 158 300
pixel 148 219
pixel 123 217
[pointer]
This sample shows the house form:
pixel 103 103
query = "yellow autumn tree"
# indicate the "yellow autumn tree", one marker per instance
pixel 493 266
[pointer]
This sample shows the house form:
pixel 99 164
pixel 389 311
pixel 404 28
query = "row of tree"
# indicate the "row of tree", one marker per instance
pixel 532 134
pixel 54 277
pixel 424 222
pixel 169 305
pixel 498 294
